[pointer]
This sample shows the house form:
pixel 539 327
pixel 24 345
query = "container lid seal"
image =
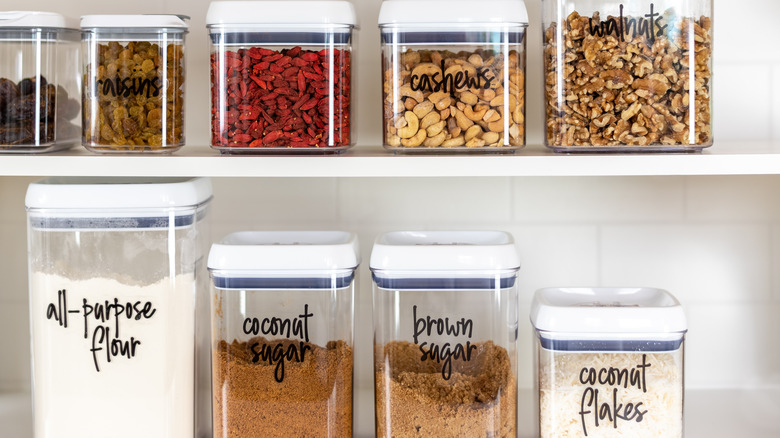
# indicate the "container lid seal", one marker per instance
pixel 145 21
pixel 583 311
pixel 34 19
pixel 284 251
pixel 276 12
pixel 70 193
pixel 439 253
pixel 452 12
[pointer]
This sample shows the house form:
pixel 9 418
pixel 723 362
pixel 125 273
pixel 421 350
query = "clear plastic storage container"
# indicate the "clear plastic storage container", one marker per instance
pixel 282 333
pixel 114 269
pixel 628 76
pixel 453 75
pixel 281 76
pixel 39 82
pixel 610 362
pixel 133 83
pixel 445 334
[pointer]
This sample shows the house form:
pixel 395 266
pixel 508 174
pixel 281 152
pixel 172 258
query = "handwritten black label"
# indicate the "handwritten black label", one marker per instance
pixel 450 83
pixel 130 87
pixel 606 408
pixel 105 340
pixel 278 352
pixel 446 352
pixel 651 26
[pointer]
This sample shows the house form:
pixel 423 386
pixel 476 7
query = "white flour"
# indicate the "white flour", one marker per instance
pixel 149 394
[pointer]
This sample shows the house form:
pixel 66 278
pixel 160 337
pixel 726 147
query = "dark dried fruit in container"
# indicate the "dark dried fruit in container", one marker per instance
pixel 27 86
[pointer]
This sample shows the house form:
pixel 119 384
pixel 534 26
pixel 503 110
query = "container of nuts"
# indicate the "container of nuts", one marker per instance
pixel 281 76
pixel 453 75
pixel 628 77
pixel 39 82
pixel 133 93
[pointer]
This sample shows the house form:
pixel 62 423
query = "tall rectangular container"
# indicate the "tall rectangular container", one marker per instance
pixel 445 334
pixel 114 270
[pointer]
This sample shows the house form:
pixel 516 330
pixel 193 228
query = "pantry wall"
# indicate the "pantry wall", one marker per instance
pixel 713 241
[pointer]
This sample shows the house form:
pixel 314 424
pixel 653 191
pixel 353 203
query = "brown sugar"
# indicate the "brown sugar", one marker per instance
pixel 314 398
pixel 414 399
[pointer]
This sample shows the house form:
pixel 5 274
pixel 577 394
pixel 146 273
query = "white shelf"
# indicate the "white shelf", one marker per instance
pixel 708 414
pixel 742 158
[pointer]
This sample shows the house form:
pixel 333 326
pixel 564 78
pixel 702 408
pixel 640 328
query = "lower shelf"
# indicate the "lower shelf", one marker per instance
pixel 708 414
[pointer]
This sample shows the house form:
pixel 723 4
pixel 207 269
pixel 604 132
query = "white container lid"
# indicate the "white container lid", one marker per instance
pixel 95 193
pixel 262 251
pixel 440 253
pixel 452 12
pixel 122 21
pixel 276 12
pixel 35 19
pixel 607 311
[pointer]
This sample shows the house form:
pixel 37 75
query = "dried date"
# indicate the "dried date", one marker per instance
pixel 20 103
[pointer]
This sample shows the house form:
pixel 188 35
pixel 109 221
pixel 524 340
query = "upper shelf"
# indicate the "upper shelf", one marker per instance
pixel 733 158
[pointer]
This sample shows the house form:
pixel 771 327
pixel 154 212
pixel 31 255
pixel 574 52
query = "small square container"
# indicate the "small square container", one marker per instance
pixel 115 270
pixel 282 333
pixel 610 362
pixel 281 76
pixel 134 74
pixel 39 82
pixel 627 76
pixel 445 334
pixel 453 75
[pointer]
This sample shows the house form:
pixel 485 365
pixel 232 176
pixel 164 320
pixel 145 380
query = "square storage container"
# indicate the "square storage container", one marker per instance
pixel 39 82
pixel 114 270
pixel 281 76
pixel 453 75
pixel 445 334
pixel 282 333
pixel 628 77
pixel 610 362
pixel 134 73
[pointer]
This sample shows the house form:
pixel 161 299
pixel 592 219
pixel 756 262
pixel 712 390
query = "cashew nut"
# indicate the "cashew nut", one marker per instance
pixel 463 122
pixel 436 128
pixel 413 125
pixel 406 91
pixel 454 142
pixel 491 138
pixel 436 140
pixel 426 69
pixel 415 141
pixel 473 132
pixel 491 115
pixel 393 141
pixel 431 119
pixel 423 108
pixel 474 116
pixel 497 126
pixel 469 98
pixel 475 143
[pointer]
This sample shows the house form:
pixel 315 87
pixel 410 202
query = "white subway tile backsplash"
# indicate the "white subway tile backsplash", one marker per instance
pixel 740 115
pixel 730 345
pixel 271 203
pixel 15 345
pixel 696 263
pixel 598 199
pixel 424 203
pixel 733 198
pixel 556 256
pixel 745 31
